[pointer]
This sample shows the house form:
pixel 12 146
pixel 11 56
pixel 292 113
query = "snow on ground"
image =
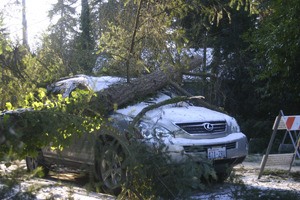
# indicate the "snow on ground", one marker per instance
pixel 71 186
pixel 245 177
pixel 63 185
pixel 277 177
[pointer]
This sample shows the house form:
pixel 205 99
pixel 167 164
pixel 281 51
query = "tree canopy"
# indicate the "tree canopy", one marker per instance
pixel 275 42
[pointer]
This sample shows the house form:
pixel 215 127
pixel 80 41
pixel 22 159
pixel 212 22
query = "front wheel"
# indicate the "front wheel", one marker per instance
pixel 109 166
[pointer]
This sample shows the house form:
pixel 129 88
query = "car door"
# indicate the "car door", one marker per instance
pixel 79 152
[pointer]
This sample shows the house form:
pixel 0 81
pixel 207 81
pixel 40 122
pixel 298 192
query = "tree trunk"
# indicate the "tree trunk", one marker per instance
pixel 120 94
pixel 24 25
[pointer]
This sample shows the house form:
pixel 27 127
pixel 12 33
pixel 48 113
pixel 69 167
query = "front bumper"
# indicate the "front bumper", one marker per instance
pixel 235 144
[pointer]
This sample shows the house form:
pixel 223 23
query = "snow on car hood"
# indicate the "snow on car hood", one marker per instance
pixel 176 113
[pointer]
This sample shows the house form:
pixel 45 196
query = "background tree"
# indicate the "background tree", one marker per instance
pixel 13 75
pixel 230 62
pixel 223 34
pixel 62 34
pixel 102 13
pixel 275 42
pixel 234 87
pixel 84 41
pixel 138 35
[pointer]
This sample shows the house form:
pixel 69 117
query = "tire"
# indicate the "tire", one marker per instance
pixel 109 166
pixel 33 163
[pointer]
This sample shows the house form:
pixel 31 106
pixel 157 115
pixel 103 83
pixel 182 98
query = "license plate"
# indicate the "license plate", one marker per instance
pixel 216 153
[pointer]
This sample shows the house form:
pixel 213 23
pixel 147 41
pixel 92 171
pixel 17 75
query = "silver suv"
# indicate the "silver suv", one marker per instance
pixel 185 130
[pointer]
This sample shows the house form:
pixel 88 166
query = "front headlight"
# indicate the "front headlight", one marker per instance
pixel 233 126
pixel 161 132
pixel 153 131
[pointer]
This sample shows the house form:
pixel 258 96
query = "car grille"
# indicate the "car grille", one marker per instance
pixel 203 148
pixel 203 127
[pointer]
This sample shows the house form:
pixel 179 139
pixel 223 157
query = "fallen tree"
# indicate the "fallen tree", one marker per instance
pixel 121 94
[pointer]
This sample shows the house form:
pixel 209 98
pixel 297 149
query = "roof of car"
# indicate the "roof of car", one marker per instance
pixel 66 85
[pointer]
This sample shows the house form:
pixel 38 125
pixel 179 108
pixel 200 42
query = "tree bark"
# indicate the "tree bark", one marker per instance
pixel 119 95
pixel 24 25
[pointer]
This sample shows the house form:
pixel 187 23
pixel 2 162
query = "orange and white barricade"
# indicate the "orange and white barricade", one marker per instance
pixel 291 125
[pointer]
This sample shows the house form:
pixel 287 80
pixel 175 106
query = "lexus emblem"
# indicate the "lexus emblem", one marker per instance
pixel 208 126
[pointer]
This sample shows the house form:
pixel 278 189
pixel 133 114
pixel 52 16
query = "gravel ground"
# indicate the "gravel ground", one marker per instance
pixel 71 185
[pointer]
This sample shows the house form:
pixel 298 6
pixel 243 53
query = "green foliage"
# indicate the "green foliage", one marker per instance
pixel 152 173
pixel 151 170
pixel 276 43
pixel 142 36
pixel 55 62
pixel 46 122
pixel 21 71
pixel 15 73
